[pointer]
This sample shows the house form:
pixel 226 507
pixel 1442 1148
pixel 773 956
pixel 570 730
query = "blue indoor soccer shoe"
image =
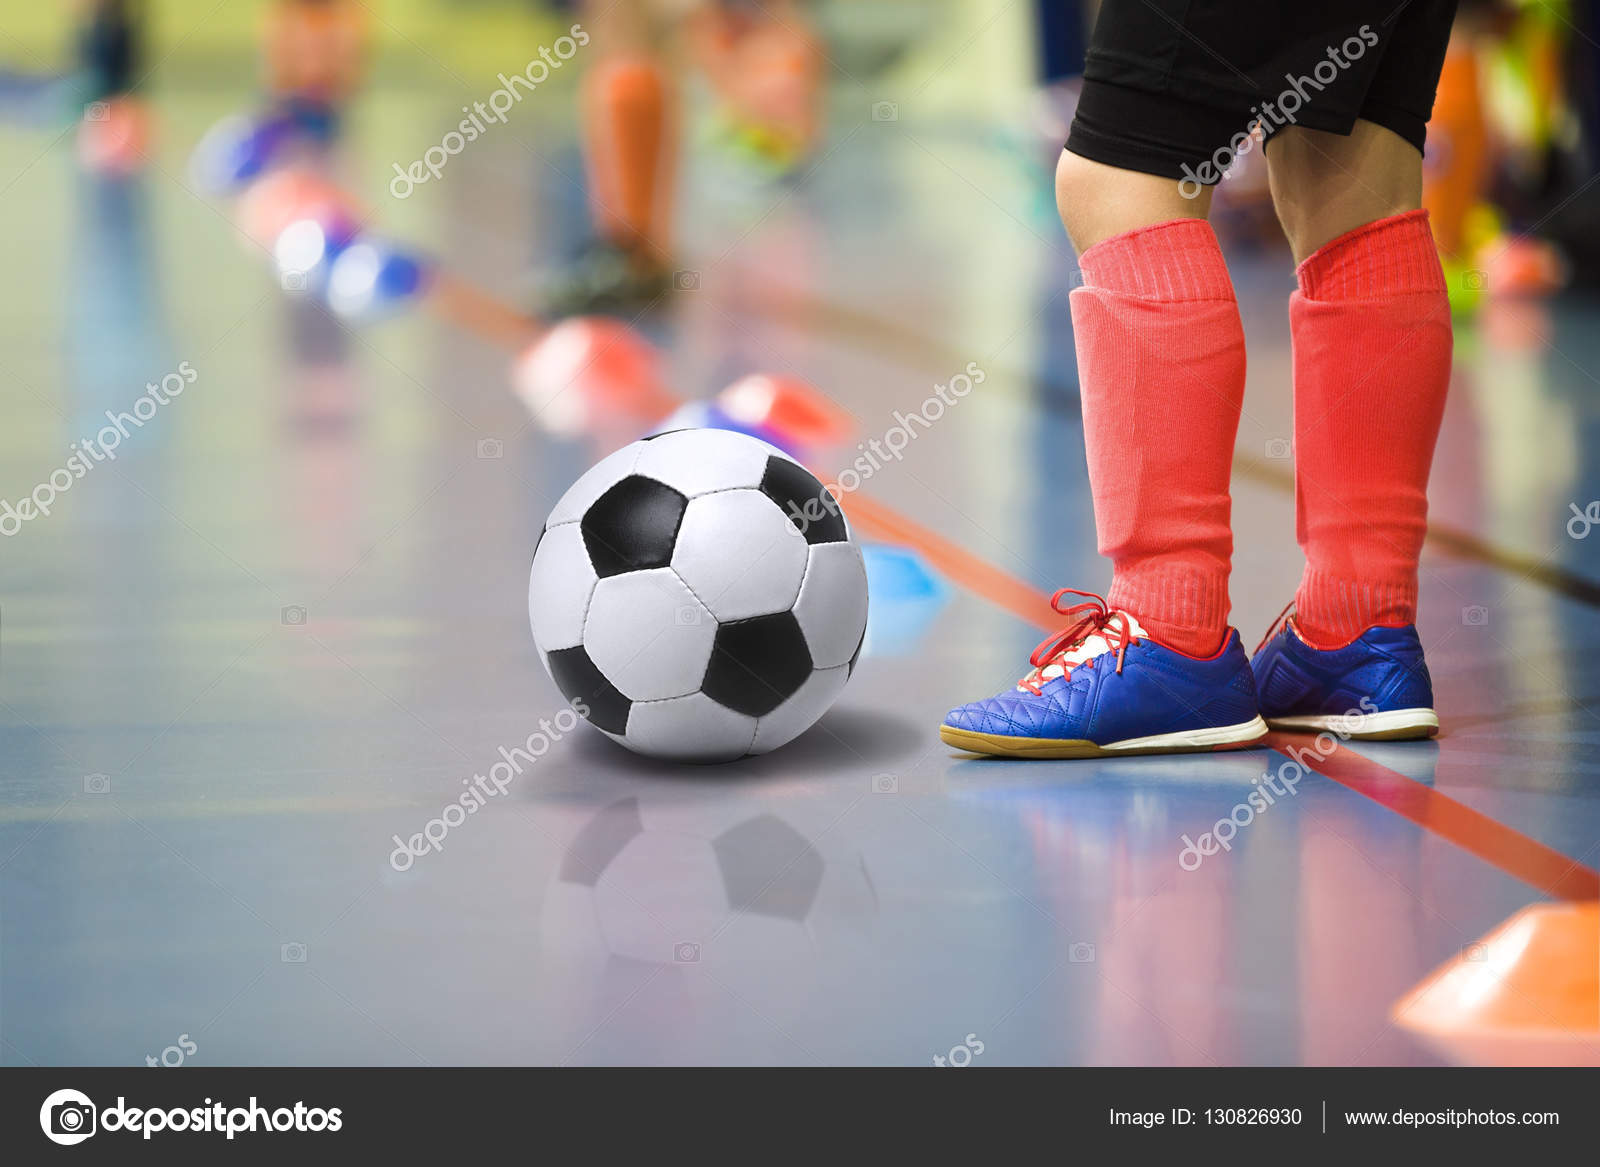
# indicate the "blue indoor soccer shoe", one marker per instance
pixel 1375 688
pixel 1102 688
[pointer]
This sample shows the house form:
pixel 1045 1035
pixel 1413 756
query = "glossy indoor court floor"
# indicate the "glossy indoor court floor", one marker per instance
pixel 290 620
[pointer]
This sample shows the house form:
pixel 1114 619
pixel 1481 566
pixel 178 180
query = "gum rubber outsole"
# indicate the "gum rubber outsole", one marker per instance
pixel 1002 746
pixel 1392 725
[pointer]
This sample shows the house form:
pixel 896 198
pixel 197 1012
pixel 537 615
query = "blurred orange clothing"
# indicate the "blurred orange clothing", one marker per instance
pixel 316 49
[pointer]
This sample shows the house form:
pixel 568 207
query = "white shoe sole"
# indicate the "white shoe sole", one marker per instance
pixel 1390 725
pixel 1222 737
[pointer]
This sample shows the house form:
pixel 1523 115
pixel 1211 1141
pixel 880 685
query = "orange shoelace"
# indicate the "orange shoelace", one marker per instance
pixel 1093 618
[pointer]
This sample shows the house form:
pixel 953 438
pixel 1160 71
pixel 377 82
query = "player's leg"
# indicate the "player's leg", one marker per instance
pixel 1158 336
pixel 1097 202
pixel 1372 342
pixel 765 63
pixel 628 133
pixel 629 136
pixel 110 45
pixel 1327 185
pixel 1161 365
pixel 114 133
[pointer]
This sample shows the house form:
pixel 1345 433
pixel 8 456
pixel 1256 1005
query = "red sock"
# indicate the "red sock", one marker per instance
pixel 630 152
pixel 1161 363
pixel 1372 341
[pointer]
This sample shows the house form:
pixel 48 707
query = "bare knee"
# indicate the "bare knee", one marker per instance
pixel 1325 185
pixel 1078 190
pixel 1097 201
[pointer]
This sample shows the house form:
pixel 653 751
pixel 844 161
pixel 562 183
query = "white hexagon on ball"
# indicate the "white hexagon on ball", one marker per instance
pixel 695 461
pixel 689 729
pixel 700 595
pixel 832 608
pixel 649 635
pixel 559 588
pixel 740 555
pixel 800 711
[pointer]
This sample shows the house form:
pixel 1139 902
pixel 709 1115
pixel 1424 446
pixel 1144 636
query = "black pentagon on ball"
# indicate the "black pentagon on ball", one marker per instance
pixel 808 504
pixel 756 665
pixel 588 690
pixel 601 840
pixel 633 526
pixel 768 868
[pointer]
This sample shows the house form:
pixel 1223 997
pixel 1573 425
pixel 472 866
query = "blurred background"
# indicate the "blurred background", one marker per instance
pixel 314 308
pixel 669 131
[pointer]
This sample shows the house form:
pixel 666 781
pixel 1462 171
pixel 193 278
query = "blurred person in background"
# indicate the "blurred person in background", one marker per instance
pixel 315 56
pixel 763 63
pixel 114 134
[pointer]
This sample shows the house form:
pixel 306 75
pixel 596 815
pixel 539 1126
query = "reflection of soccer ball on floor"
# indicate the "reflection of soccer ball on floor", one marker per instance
pixel 642 883
pixel 698 595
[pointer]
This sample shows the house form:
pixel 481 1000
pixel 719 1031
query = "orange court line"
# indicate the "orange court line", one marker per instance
pixel 883 335
pixel 1019 598
pixel 1514 853
pixel 476 311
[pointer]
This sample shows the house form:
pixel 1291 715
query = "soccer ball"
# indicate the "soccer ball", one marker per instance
pixel 698 595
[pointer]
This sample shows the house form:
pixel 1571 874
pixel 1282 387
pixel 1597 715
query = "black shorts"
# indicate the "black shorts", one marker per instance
pixel 1171 86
